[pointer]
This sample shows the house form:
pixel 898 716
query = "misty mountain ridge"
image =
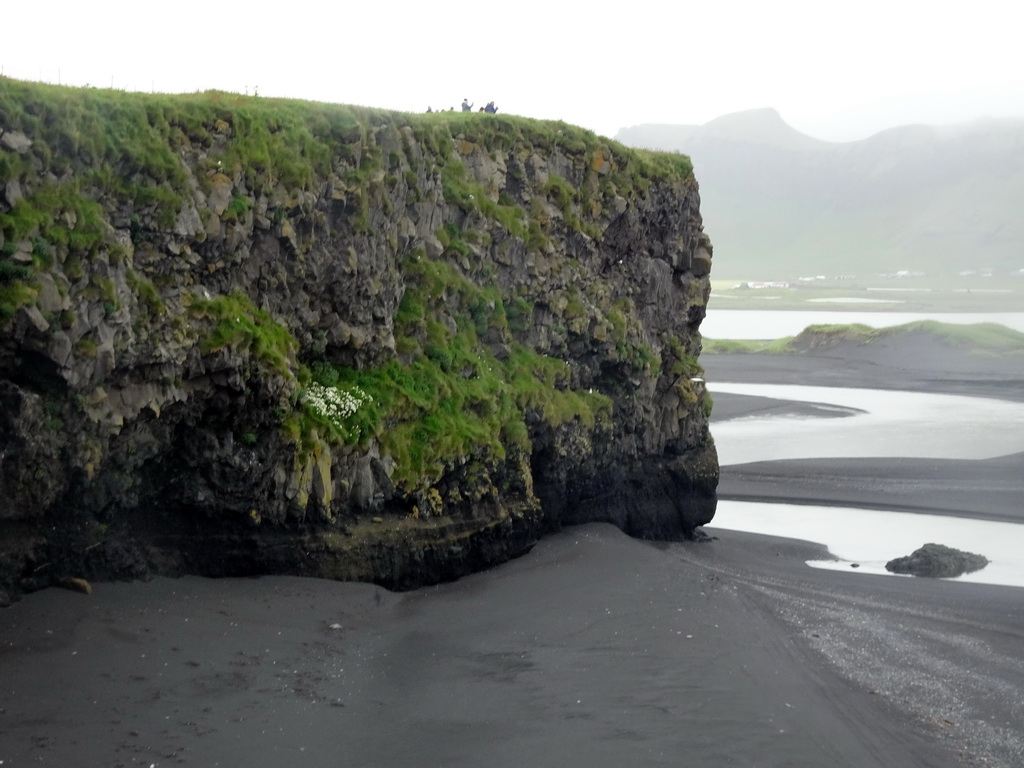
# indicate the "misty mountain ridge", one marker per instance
pixel 778 203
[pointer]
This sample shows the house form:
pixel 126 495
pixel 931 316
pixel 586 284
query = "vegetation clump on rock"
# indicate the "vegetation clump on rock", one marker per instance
pixel 937 561
pixel 238 331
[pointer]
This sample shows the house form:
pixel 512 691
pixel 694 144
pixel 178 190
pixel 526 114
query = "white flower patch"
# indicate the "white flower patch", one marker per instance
pixel 333 403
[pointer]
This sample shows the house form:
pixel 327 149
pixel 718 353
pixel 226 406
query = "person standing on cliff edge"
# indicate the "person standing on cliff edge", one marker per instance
pixel 466 106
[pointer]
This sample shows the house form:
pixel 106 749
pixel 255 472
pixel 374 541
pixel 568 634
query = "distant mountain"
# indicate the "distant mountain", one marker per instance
pixel 779 204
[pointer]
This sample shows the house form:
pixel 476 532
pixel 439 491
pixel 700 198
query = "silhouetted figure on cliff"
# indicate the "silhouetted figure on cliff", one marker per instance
pixel 490 108
pixel 466 106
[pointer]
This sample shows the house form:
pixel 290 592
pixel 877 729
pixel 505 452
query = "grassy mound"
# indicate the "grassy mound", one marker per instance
pixel 986 339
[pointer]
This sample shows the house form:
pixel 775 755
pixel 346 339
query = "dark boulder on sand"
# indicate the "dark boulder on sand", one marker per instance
pixel 937 561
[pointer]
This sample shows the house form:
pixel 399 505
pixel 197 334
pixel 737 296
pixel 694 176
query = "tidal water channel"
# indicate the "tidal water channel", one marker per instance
pixel 870 423
pixel 878 423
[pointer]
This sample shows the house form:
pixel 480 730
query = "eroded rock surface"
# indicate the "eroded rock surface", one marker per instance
pixel 519 302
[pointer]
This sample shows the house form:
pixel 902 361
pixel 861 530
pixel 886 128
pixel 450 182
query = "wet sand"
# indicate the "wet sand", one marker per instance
pixel 991 489
pixel 911 362
pixel 593 649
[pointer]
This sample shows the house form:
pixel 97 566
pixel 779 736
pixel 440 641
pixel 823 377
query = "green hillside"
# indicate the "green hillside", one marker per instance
pixel 989 340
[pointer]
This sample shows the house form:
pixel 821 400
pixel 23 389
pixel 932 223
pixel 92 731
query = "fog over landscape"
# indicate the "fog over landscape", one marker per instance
pixel 834 72
pixel 335 436
pixel 813 155
pixel 938 202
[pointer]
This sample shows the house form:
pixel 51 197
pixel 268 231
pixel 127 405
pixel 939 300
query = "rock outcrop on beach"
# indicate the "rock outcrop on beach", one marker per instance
pixel 243 335
pixel 937 561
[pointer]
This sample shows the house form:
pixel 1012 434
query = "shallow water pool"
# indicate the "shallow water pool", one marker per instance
pixel 891 423
pixel 872 537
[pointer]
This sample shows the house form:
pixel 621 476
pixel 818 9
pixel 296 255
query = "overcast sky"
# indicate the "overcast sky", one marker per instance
pixel 835 70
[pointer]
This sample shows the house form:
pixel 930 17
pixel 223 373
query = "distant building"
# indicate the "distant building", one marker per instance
pixel 770 284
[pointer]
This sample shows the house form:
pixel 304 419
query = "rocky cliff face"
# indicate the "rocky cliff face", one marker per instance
pixel 252 336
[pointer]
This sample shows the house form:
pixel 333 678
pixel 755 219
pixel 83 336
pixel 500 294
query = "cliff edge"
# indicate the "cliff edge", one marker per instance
pixel 243 335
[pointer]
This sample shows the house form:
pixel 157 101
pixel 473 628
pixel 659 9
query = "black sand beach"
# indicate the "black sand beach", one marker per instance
pixel 593 650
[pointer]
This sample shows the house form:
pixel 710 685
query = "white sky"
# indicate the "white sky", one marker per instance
pixel 834 71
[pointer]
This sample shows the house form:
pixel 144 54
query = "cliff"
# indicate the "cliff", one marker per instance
pixel 243 336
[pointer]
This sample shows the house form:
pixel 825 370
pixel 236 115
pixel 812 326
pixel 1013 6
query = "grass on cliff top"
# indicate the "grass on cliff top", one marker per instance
pixel 140 134
pixel 990 339
pixel 287 140
pixel 128 150
pixel 502 132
